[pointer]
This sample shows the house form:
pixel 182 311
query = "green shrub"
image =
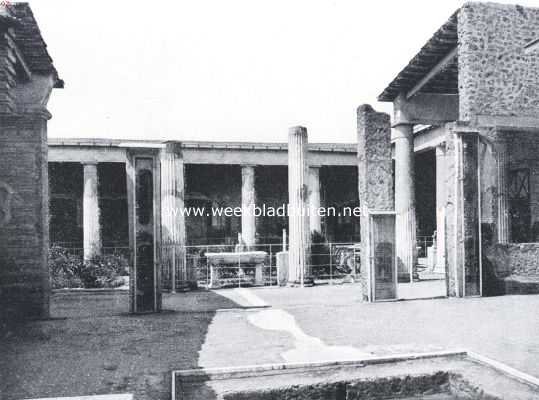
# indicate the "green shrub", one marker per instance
pixel 68 270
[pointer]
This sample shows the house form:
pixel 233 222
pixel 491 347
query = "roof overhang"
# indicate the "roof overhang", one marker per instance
pixel 433 70
pixel 31 49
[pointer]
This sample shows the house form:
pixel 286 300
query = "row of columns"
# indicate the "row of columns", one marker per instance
pixel 304 184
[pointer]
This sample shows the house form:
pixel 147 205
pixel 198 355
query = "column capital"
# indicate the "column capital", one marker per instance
pixel 84 163
pixel 248 165
pixel 173 147
pixel 402 131
pixel 297 131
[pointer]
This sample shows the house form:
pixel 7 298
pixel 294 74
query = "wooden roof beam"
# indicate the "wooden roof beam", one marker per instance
pixel 440 66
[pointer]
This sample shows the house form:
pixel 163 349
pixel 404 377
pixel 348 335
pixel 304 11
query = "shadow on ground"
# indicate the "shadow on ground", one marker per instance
pixel 92 346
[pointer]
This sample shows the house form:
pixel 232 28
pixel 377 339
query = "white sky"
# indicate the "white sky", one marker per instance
pixel 234 70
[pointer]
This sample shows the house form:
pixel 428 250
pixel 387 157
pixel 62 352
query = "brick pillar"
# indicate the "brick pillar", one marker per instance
pixel 24 229
pixel 173 231
pixel 298 225
pixel 405 200
pixel 315 221
pixel 502 169
pixel 90 212
pixel 441 201
pixel 374 175
pixel 248 201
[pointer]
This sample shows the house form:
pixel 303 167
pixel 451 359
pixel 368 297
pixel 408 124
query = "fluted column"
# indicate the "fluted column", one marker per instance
pixel 502 169
pixel 248 201
pixel 90 212
pixel 405 199
pixel 441 200
pixel 297 194
pixel 173 235
pixel 315 221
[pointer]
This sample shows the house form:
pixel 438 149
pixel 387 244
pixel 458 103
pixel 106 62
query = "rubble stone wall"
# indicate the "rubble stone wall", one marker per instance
pixel 496 75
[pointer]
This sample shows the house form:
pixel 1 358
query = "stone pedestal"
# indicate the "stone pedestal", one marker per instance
pixel 90 212
pixel 405 200
pixel 248 201
pixel 374 178
pixel 173 236
pixel 298 252
pixel 315 221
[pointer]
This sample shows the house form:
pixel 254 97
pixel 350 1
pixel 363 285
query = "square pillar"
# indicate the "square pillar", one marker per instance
pixel 143 190
pixel 24 229
pixel 90 212
pixel 248 202
pixel 374 180
pixel 24 197
pixel 463 214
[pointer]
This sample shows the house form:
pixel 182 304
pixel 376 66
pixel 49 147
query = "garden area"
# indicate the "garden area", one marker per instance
pixel 69 270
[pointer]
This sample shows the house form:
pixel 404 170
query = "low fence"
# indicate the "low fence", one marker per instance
pixel 188 266
pixel 232 275
pixel 330 262
pixel 423 243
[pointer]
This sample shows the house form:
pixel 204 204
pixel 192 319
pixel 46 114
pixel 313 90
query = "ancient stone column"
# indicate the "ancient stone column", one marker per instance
pixel 90 212
pixel 315 221
pixel 173 234
pixel 298 252
pixel 441 199
pixel 374 178
pixel 405 200
pixel 502 168
pixel 248 201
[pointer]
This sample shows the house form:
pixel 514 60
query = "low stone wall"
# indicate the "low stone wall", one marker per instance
pixel 512 269
pixel 521 259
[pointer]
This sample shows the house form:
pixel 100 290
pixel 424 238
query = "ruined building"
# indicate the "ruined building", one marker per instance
pixel 463 153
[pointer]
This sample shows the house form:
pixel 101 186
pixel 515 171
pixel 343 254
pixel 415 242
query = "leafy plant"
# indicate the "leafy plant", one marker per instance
pixel 69 270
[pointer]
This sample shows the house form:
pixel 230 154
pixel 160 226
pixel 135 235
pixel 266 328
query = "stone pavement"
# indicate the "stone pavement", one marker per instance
pixel 90 351
pixel 503 328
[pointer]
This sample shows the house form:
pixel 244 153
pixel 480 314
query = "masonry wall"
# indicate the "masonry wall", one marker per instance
pixel 496 76
pixel 24 281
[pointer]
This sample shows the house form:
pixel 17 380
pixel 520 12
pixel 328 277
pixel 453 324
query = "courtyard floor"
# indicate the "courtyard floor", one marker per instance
pixel 92 347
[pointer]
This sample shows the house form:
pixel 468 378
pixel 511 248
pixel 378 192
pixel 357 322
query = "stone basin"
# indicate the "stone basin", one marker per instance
pixel 243 257
pixel 446 375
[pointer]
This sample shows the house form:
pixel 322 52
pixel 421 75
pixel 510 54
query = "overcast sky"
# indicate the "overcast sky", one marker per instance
pixel 232 70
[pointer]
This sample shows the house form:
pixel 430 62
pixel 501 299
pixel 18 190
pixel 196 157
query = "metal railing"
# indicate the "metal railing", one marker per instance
pixel 335 262
pixel 330 263
pixel 232 275
pixel 423 243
